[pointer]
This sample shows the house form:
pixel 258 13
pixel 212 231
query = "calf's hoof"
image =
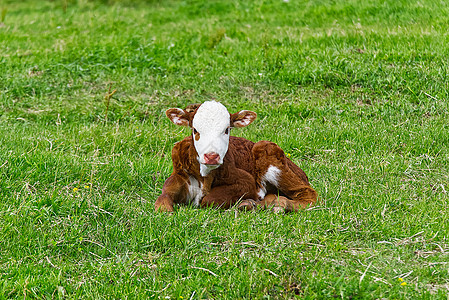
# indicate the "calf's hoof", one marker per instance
pixel 247 204
pixel 164 209
pixel 277 209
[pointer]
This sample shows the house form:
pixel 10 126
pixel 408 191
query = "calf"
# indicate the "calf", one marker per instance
pixel 212 168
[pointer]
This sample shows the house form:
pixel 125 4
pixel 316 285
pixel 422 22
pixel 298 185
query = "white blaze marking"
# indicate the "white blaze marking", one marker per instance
pixel 211 121
pixel 272 175
pixel 195 191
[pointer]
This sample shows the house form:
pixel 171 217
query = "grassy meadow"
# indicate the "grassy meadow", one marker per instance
pixel 355 92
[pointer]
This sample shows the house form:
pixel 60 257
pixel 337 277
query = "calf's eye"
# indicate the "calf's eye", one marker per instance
pixel 196 134
pixel 227 131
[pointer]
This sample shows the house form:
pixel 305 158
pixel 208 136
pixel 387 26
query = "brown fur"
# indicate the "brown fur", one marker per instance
pixel 238 178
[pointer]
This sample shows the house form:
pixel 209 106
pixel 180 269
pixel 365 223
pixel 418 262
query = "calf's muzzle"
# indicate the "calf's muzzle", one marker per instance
pixel 212 158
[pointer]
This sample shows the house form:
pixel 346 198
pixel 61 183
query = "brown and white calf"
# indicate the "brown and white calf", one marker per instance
pixel 212 168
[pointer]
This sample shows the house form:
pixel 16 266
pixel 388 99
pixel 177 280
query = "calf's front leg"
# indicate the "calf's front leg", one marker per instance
pixel 223 196
pixel 240 187
pixel 175 190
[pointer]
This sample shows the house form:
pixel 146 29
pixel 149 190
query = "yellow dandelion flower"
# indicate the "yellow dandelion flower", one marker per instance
pixel 86 186
pixel 400 279
pixel 403 283
pixel 75 190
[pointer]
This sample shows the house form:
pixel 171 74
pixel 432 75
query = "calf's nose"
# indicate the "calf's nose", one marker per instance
pixel 211 158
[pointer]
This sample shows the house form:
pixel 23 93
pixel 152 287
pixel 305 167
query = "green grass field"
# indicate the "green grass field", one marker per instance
pixel 354 91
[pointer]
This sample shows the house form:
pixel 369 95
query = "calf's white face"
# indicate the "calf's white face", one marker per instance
pixel 211 124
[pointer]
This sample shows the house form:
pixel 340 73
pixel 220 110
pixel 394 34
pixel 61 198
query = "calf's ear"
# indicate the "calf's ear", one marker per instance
pixel 192 107
pixel 178 116
pixel 242 118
